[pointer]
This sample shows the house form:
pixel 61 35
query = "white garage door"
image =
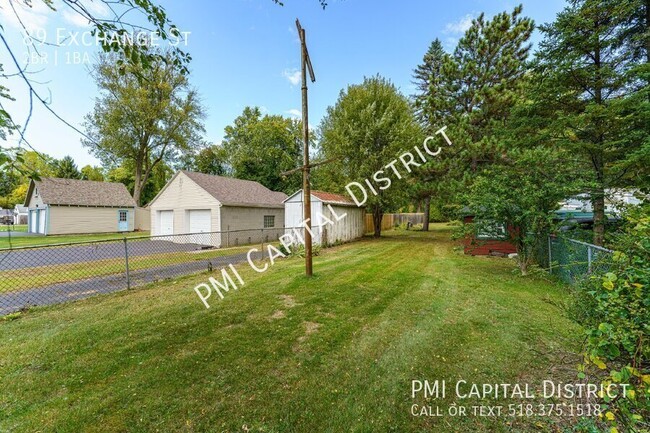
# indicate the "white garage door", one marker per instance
pixel 166 222
pixel 200 222
pixel 33 222
pixel 42 215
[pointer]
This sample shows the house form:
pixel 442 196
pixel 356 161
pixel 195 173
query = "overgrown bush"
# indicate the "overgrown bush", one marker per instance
pixel 614 308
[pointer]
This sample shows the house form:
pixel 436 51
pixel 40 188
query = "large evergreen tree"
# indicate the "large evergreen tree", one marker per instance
pixel 67 169
pixel 588 87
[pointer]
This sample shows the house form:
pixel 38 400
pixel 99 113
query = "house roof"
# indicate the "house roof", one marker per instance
pixel 237 192
pixel 73 192
pixel 328 198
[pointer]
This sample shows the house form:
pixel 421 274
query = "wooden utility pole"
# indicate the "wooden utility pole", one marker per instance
pixel 305 63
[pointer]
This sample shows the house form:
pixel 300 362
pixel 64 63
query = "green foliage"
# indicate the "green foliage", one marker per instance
pixel 261 148
pixel 587 97
pixel 89 172
pixel 521 193
pixel 143 117
pixel 614 308
pixel 209 160
pixel 67 169
pixel 365 130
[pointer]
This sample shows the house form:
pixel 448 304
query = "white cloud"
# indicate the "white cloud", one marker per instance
pixel 292 75
pixel 33 18
pixel 459 27
pixel 294 112
pixel 75 19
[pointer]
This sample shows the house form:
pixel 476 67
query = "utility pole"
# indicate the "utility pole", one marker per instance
pixel 305 63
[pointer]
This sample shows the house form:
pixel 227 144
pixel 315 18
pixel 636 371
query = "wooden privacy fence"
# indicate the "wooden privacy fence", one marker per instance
pixel 390 220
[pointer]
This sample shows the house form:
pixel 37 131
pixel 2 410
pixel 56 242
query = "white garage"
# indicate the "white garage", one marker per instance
pixel 211 210
pixel 346 217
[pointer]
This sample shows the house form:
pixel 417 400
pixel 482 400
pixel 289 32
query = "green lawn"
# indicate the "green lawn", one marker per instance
pixel 61 239
pixel 14 228
pixel 287 354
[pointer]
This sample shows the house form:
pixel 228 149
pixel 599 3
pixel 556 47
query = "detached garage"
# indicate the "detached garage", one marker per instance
pixel 326 206
pixel 205 208
pixel 69 206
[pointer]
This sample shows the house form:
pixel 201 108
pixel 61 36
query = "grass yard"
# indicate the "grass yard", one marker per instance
pixel 14 228
pixel 286 354
pixel 26 241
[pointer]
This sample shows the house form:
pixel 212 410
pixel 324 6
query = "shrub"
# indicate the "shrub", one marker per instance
pixel 614 308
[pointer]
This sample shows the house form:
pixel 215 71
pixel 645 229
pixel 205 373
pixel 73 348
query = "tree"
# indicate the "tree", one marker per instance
pixel 588 93
pixel 89 172
pixel 484 77
pixel 67 169
pixel 144 116
pixel 431 106
pixel 209 160
pixel 472 92
pixel 521 192
pixel 261 148
pixel 364 131
pixel 429 82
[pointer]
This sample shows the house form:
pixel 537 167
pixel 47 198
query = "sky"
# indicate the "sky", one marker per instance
pixel 244 53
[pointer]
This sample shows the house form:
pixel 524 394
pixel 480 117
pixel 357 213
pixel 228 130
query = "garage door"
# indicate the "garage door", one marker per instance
pixel 42 215
pixel 33 222
pixel 166 222
pixel 200 222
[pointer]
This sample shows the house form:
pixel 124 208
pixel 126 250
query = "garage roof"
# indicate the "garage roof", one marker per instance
pixel 237 192
pixel 327 198
pixel 73 192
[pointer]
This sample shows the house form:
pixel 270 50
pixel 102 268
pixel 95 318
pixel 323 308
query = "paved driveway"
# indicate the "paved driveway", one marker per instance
pixel 85 288
pixel 33 257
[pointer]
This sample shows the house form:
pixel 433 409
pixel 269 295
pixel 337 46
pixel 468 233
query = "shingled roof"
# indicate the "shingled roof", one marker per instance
pixel 73 192
pixel 328 198
pixel 237 192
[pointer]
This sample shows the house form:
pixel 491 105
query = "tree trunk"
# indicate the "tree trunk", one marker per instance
pixel 427 210
pixel 377 215
pixel 598 205
pixel 137 184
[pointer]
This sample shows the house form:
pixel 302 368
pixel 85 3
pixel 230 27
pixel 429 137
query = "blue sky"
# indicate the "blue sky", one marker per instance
pixel 246 52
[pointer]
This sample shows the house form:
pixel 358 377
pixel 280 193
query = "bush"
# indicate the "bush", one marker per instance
pixel 614 308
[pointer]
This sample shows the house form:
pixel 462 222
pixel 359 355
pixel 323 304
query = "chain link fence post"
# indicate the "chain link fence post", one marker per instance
pixel 126 258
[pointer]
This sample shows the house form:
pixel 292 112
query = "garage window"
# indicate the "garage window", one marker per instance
pixel 269 221
pixel 123 216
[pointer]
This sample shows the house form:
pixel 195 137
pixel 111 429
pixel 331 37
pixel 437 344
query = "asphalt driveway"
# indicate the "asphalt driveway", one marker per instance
pixel 59 255
pixel 84 288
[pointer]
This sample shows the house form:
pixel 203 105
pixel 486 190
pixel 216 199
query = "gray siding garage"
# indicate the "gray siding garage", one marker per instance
pixel 69 206
pixel 197 203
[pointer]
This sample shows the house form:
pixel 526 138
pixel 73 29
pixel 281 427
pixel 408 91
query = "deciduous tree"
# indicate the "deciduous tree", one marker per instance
pixel 143 117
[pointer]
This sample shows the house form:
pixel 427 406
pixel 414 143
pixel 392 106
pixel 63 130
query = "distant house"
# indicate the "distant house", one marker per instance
pixel 326 207
pixel 68 206
pixel 202 203
pixel 6 216
pixel 20 214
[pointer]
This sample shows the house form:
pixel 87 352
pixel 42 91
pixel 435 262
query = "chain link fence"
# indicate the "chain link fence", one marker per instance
pixel 45 275
pixel 571 260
